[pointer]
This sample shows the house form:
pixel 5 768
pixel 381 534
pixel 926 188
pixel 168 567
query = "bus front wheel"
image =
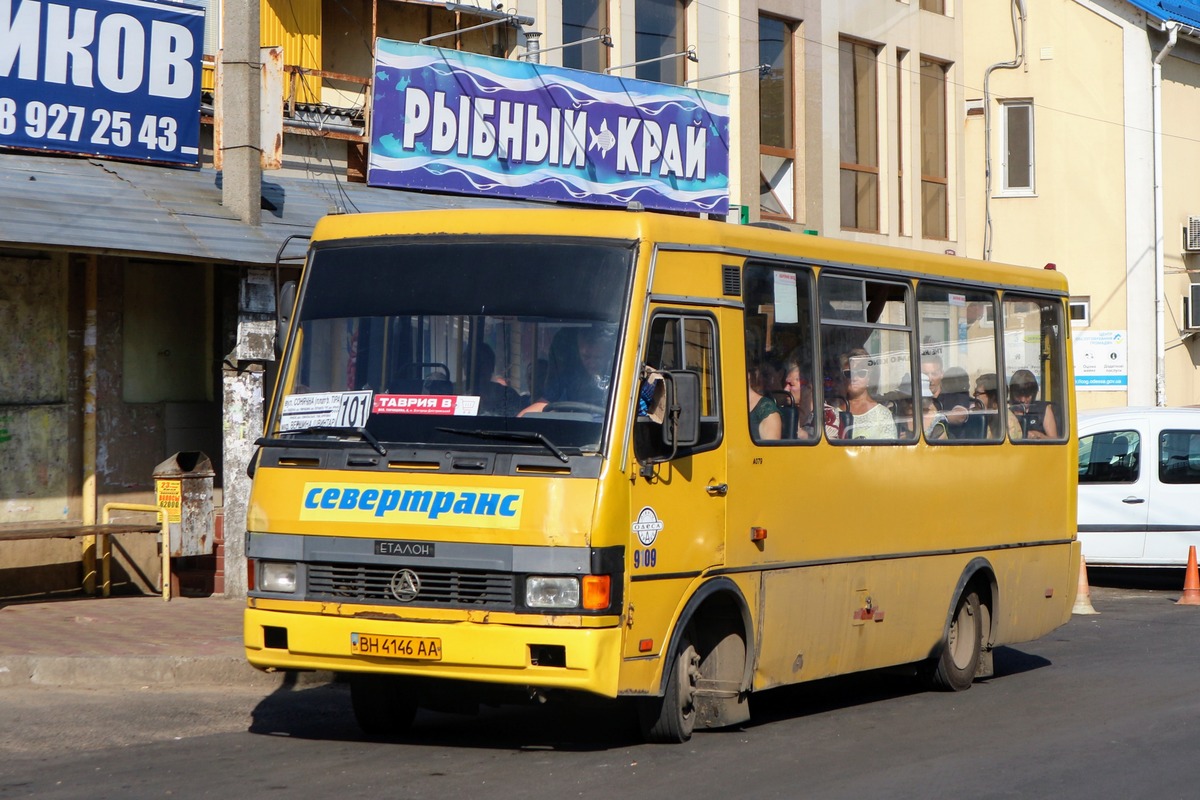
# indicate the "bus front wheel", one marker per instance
pixel 670 719
pixel 954 669
pixel 383 705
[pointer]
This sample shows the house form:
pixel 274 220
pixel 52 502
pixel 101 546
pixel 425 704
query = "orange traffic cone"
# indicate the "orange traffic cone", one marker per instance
pixel 1083 597
pixel 1191 582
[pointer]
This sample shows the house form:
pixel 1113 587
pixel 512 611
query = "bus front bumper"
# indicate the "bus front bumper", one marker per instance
pixel 581 659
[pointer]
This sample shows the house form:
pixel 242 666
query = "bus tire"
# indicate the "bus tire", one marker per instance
pixel 383 705
pixel 954 669
pixel 670 719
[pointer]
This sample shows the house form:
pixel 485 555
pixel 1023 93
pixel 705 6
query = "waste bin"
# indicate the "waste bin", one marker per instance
pixel 183 485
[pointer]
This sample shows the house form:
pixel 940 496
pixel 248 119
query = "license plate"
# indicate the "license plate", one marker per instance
pixel 412 647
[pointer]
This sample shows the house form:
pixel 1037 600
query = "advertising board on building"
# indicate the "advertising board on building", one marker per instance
pixel 112 78
pixel 1101 361
pixel 445 120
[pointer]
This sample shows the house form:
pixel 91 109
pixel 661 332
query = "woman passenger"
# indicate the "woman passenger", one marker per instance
pixel 1034 418
pixel 870 420
pixel 766 423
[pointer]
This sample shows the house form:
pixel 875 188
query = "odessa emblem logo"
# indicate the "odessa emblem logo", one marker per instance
pixel 647 526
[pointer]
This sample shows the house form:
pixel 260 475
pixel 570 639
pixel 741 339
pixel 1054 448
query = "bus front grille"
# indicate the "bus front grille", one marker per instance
pixel 436 587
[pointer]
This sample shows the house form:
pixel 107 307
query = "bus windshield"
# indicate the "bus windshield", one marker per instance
pixel 492 343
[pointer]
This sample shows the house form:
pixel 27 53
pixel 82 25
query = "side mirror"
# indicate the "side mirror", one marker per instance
pixel 283 313
pixel 681 428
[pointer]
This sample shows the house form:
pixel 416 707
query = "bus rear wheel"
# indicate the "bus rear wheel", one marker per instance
pixel 670 719
pixel 383 705
pixel 954 669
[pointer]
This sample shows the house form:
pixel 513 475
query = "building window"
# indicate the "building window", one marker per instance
pixel 858 94
pixel 1081 311
pixel 583 19
pixel 212 26
pixel 777 146
pixel 1017 144
pixel 658 31
pixel 936 6
pixel 935 207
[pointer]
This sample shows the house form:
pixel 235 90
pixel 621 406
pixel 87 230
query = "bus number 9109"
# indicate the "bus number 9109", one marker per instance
pixel 645 558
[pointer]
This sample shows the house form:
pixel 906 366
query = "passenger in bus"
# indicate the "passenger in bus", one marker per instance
pixel 900 402
pixel 987 394
pixel 953 401
pixel 933 421
pixel 798 385
pixel 1034 418
pixel 496 397
pixel 579 369
pixel 869 419
pixel 766 423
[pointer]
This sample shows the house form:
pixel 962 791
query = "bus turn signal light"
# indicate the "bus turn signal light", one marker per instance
pixel 758 534
pixel 597 591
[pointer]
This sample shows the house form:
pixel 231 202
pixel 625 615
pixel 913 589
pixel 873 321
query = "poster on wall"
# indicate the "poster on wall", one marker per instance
pixel 109 78
pixel 1101 361
pixel 449 121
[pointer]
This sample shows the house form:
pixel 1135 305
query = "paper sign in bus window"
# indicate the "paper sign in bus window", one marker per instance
pixel 785 298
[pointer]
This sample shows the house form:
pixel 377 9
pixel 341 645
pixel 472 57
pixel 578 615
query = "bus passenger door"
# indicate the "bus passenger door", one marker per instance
pixel 677 508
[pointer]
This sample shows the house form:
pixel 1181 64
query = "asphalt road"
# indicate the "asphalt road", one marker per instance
pixel 1105 707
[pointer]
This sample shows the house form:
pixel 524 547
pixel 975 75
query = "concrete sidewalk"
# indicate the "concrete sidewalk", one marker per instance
pixel 128 641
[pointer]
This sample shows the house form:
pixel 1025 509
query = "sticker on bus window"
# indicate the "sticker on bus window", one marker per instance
pixel 786 305
pixel 325 410
pixel 447 405
pixel 648 526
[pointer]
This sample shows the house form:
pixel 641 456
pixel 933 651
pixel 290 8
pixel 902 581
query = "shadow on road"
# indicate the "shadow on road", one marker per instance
pixel 1164 578
pixel 580 723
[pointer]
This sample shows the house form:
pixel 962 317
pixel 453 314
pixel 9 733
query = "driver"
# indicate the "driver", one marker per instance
pixel 580 367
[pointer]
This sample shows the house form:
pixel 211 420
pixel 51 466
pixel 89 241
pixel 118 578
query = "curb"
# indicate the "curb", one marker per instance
pixel 185 671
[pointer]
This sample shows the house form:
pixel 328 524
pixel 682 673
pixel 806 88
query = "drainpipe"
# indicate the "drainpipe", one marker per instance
pixel 1160 360
pixel 1018 25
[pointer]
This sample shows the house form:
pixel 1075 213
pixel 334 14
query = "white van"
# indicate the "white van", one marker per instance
pixel 1139 485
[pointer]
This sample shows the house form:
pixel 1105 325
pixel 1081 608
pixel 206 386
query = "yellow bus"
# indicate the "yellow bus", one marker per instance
pixel 536 453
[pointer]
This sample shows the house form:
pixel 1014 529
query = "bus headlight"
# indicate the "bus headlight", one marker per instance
pixel 551 592
pixel 274 576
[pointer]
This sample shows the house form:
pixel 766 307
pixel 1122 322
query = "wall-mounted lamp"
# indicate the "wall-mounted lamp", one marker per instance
pixel 690 54
pixel 603 38
pixel 763 71
pixel 497 17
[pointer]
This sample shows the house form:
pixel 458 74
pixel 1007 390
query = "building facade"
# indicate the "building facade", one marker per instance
pixel 1080 154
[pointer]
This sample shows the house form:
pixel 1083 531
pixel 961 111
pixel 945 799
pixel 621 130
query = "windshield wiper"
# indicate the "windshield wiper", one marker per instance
pixel 515 436
pixel 362 433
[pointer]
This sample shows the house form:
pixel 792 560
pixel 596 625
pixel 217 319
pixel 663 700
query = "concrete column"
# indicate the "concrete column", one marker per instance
pixel 243 423
pixel 238 109
pixel 242 379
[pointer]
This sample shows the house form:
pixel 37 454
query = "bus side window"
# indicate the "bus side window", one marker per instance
pixel 1033 367
pixel 867 356
pixel 958 360
pixel 682 342
pixel 780 354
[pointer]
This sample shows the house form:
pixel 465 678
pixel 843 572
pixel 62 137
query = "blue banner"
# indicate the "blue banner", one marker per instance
pixel 115 78
pixel 450 121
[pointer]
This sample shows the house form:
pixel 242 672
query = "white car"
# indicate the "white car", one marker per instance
pixel 1139 485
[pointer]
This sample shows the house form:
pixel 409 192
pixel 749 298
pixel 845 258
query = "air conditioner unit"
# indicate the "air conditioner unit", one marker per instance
pixel 1191 308
pixel 1191 235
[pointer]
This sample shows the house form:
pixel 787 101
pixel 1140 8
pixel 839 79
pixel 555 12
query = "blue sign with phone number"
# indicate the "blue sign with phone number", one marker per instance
pixel 117 78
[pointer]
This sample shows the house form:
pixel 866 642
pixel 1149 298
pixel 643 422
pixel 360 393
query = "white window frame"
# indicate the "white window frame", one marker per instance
pixel 1080 302
pixel 1005 172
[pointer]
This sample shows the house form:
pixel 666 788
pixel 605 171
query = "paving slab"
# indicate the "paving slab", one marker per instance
pixel 129 641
